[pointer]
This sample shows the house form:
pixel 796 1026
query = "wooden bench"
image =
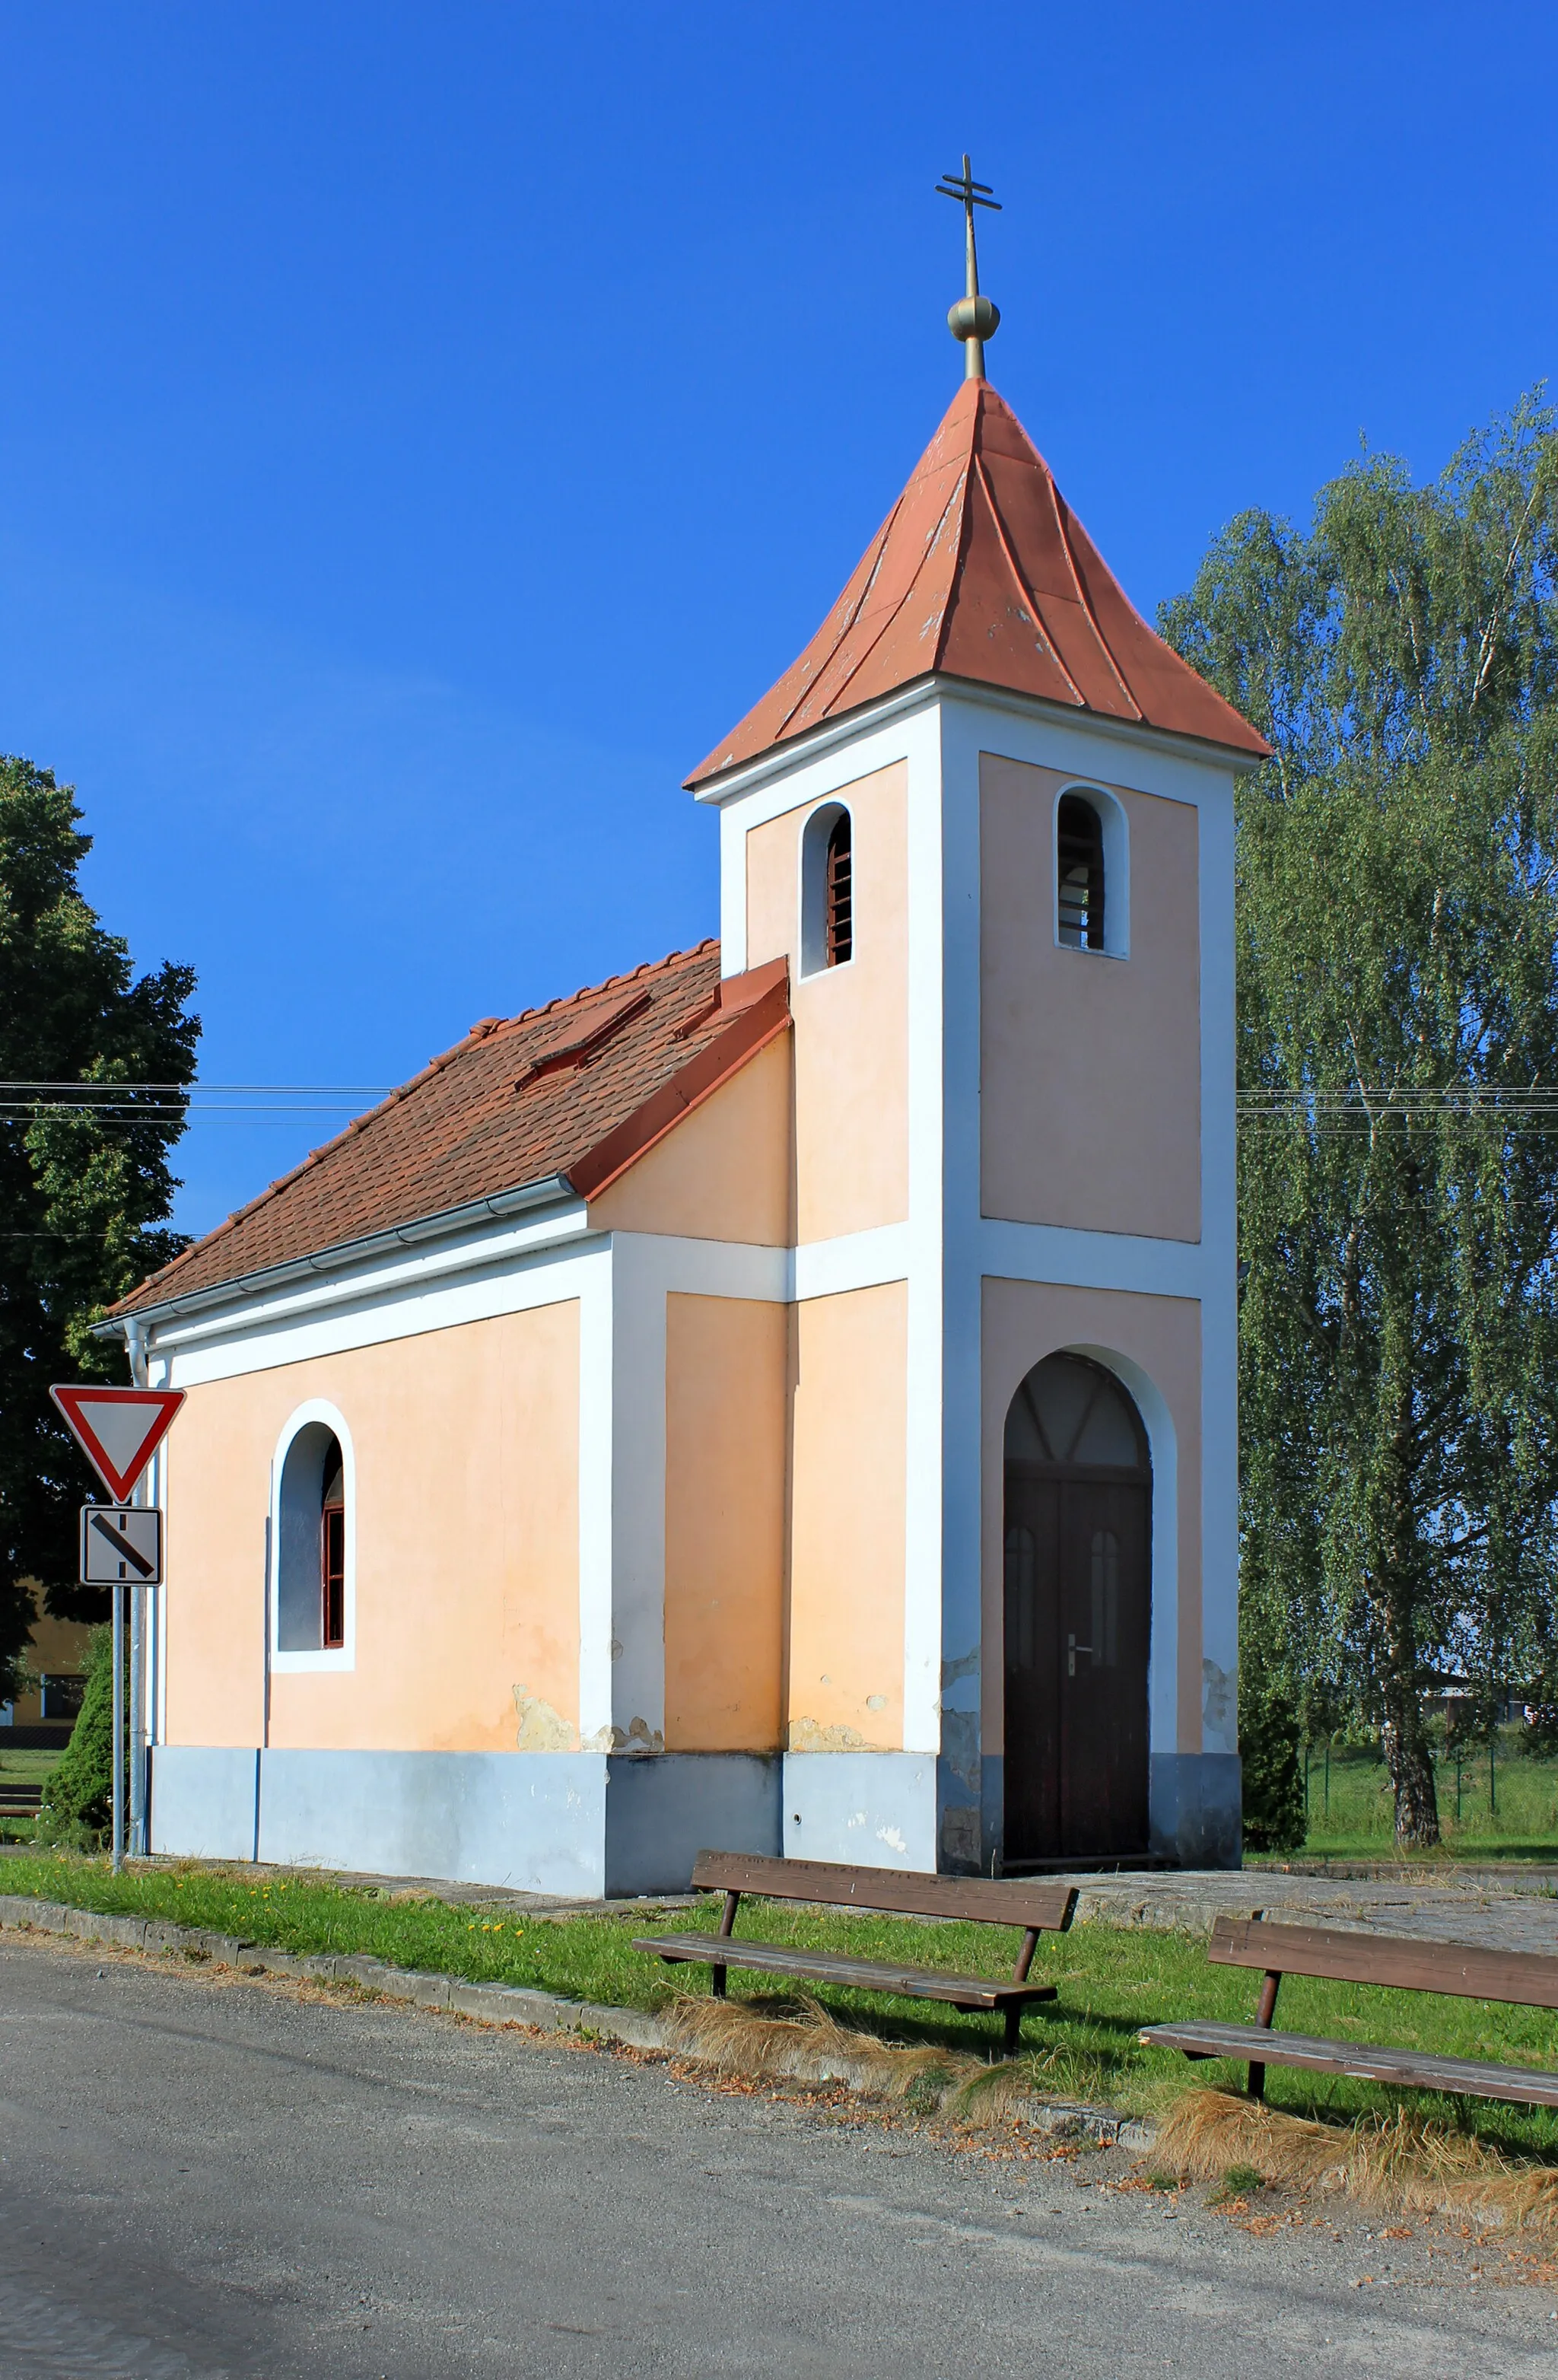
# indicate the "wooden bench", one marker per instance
pixel 1518 1978
pixel 1037 1908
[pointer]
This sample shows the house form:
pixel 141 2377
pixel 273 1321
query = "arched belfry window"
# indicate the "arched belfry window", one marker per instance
pixel 1079 873
pixel 312 1543
pixel 827 890
pixel 838 924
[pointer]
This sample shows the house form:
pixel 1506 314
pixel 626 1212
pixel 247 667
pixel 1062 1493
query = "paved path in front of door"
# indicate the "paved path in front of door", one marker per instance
pixel 1504 1910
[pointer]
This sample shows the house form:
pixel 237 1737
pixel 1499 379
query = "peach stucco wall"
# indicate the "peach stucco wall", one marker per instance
pixel 847 1522
pixel 727 1391
pixel 467 1544
pixel 727 1172
pixel 851 1022
pixel 1025 1321
pixel 1089 1065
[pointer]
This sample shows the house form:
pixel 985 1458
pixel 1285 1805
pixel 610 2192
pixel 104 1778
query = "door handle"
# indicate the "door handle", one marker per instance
pixel 1072 1649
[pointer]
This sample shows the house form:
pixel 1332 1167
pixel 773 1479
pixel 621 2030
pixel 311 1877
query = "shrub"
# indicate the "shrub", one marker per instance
pixel 76 1806
pixel 1274 1773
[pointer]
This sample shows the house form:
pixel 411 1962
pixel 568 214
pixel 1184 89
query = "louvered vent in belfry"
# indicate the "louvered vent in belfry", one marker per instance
pixel 840 892
pixel 1079 871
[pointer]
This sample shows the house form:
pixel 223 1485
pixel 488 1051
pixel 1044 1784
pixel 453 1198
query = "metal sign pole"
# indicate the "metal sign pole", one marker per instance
pixel 118 1730
pixel 136 1350
pixel 135 1845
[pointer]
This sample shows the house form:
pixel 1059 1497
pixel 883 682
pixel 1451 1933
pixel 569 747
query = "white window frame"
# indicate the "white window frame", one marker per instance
pixel 1111 818
pixel 344 1655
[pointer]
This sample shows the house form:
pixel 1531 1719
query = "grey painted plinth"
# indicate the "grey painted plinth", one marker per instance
pixel 663 1808
pixel 573 1824
pixel 1196 1809
pixel 205 1801
pixel 863 1809
pixel 534 1821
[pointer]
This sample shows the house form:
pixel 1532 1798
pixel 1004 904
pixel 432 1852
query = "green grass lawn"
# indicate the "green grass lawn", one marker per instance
pixel 31 1768
pixel 23 1767
pixel 1112 1980
pixel 1507 1809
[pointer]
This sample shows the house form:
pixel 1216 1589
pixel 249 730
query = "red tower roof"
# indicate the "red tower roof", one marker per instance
pixel 981 571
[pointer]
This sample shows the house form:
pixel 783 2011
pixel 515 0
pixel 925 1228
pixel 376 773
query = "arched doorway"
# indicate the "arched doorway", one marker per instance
pixel 1078 1489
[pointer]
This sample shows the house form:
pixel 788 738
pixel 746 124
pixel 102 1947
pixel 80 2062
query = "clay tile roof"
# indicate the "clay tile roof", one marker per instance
pixel 981 571
pixel 578 1089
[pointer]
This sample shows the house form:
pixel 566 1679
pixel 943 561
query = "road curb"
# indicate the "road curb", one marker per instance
pixel 493 2003
pixel 488 2003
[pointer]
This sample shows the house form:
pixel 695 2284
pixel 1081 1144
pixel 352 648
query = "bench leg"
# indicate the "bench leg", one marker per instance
pixel 1264 2012
pixel 726 1927
pixel 1013 2013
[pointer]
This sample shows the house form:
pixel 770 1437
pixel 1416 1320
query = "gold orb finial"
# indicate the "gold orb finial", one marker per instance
pixel 974 318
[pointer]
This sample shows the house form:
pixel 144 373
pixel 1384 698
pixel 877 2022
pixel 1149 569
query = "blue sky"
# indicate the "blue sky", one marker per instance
pixel 425 428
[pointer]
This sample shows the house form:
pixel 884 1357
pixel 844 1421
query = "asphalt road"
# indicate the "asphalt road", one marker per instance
pixel 199 2178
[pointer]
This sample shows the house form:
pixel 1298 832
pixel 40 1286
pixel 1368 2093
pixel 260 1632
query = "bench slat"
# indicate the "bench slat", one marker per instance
pixel 901 1891
pixel 1469 2077
pixel 826 1967
pixel 1520 1979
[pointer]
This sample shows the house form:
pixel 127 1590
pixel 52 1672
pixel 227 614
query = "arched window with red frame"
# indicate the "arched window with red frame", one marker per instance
pixel 312 1544
pixel 333 1554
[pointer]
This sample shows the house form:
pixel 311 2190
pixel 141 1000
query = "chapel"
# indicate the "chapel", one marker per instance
pixel 781 1399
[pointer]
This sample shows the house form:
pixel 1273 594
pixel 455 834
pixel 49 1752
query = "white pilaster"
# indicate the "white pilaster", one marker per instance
pixel 960 1619
pixel 598 1385
pixel 1219 1294
pixel 926 1321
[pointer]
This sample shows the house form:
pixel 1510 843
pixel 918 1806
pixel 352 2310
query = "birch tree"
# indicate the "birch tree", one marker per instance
pixel 1398 924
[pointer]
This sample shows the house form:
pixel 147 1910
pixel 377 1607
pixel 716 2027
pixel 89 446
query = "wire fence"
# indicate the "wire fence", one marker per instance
pixel 1497 1791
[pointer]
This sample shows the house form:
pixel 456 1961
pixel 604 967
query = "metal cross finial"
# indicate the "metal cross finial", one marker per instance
pixel 973 319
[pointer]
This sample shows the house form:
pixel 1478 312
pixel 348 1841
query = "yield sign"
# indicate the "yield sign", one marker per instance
pixel 120 1429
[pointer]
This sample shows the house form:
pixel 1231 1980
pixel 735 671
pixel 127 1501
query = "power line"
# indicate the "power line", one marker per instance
pixel 79 1088
pixel 160 1102
pixel 127 1111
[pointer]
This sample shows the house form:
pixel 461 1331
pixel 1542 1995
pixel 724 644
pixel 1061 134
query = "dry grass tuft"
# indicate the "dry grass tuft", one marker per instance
pixel 808 2045
pixel 1405 2161
pixel 803 2042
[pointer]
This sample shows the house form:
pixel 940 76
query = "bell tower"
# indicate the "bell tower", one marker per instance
pixel 988 818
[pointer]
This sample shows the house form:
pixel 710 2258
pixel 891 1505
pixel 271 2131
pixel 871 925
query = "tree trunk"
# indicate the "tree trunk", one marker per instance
pixel 1410 1764
pixel 1404 1736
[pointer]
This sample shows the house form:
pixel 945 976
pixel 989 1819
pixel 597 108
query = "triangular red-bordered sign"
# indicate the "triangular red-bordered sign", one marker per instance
pixel 119 1430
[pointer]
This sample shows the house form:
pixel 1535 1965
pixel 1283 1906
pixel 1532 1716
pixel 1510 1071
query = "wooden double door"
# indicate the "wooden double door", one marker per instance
pixel 1078 1632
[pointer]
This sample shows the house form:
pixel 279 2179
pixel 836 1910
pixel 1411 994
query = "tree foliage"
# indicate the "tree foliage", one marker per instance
pixel 85 1195
pixel 1398 958
pixel 1270 1724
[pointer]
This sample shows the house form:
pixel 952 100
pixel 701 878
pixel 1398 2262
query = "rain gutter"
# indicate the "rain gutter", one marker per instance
pixel 552 1190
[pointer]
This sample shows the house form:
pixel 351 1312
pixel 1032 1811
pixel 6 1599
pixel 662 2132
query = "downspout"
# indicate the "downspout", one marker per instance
pixel 134 1347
